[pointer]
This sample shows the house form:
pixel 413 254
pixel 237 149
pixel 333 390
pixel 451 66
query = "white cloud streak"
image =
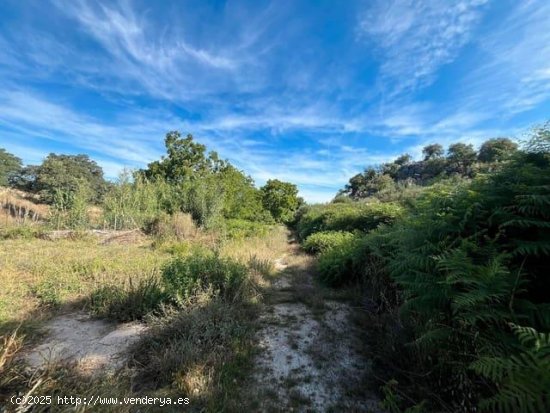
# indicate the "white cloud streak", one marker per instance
pixel 414 38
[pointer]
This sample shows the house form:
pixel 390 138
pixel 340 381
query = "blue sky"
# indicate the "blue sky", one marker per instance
pixel 305 91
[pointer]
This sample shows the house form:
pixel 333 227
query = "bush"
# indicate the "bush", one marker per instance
pixel 323 241
pixel 178 226
pixel 338 265
pixel 240 228
pixel 131 302
pixel 21 232
pixel 186 276
pixel 346 217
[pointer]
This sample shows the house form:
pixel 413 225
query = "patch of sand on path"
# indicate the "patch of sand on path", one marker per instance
pixel 92 345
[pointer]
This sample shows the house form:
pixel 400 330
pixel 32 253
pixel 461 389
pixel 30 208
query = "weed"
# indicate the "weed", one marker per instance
pixel 130 302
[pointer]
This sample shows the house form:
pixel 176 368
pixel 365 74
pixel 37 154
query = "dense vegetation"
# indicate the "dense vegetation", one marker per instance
pixel 454 256
pixel 188 179
pixel 461 160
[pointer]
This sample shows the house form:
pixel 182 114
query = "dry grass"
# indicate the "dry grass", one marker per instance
pixel 37 273
pixel 267 248
pixel 18 207
pixel 203 350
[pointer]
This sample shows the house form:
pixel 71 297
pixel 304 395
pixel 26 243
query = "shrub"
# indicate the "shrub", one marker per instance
pixel 185 276
pixel 21 232
pixel 130 302
pixel 338 265
pixel 323 241
pixel 240 228
pixel 346 217
pixel 178 226
pixel 130 205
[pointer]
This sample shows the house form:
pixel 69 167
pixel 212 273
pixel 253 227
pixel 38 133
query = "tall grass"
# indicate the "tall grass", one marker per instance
pixel 36 272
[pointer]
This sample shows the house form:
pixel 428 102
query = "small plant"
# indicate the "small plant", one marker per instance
pixel 240 228
pixel 323 241
pixel 523 379
pixel 261 265
pixel 131 302
pixel 346 217
pixel 20 232
pixel 185 276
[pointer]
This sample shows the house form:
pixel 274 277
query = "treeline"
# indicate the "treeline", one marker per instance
pixel 460 160
pixel 188 179
pixel 455 275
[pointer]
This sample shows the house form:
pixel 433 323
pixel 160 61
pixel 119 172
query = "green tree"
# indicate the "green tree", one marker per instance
pixel 434 150
pixel 25 179
pixel 281 199
pixel 461 156
pixel 10 166
pixel 185 160
pixel 498 149
pixel 68 173
pixel 403 159
pixel 204 185
pixel 370 182
pixel 242 200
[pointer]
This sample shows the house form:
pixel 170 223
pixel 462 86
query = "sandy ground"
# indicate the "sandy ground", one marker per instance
pixel 93 345
pixel 309 359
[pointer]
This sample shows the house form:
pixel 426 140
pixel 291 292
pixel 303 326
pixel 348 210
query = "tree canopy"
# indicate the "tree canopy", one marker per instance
pixel 432 151
pixel 10 166
pixel 68 173
pixel 281 199
pixel 185 160
pixel 497 149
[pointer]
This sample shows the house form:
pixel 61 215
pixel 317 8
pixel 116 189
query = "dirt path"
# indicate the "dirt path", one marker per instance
pixel 311 357
pixel 92 345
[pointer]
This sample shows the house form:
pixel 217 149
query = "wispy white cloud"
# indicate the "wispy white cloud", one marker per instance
pixel 514 75
pixel 415 38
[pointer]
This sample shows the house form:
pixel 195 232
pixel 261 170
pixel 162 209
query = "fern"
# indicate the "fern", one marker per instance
pixel 522 380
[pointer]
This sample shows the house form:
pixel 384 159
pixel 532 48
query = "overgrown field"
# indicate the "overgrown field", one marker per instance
pixel 199 298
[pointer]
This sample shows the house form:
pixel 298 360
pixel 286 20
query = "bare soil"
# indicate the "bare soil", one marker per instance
pixel 311 357
pixel 93 346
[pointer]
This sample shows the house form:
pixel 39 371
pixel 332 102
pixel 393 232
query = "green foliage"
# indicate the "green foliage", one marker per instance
pixel 523 379
pixel 10 166
pixel 129 205
pixel 325 240
pixel 240 228
pixel 461 156
pixel 241 199
pixel 281 199
pixel 20 232
pixel 70 207
pixel 346 217
pixel 201 184
pixel 130 302
pixel 337 265
pixel 468 259
pixel 66 174
pixel 25 178
pixel 432 151
pixel 205 202
pixel 371 181
pixel 498 149
pixel 186 160
pixel 186 276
